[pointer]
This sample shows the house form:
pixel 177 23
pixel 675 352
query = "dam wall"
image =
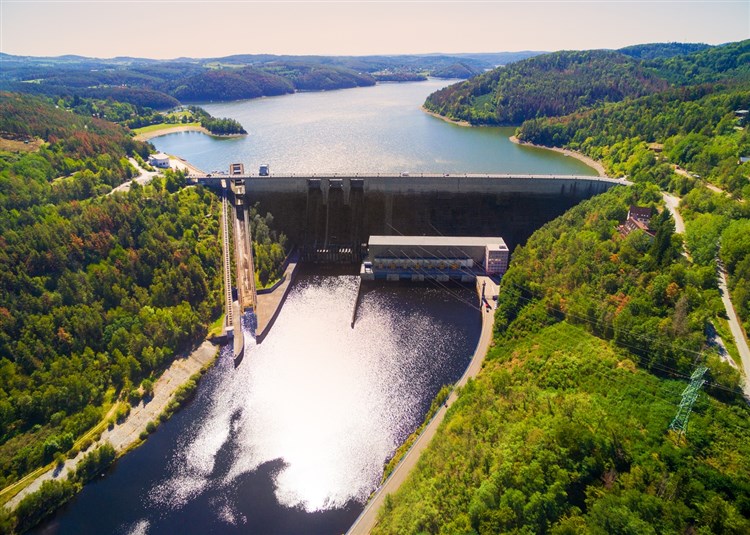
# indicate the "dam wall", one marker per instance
pixel 327 214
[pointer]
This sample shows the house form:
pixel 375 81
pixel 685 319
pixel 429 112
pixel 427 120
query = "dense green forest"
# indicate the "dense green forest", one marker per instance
pixel 551 84
pixel 83 156
pixel 269 248
pixel 565 429
pixel 97 292
pixel 565 82
pixel 662 50
pixel 697 126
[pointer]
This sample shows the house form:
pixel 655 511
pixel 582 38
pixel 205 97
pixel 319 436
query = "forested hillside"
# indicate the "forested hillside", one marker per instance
pixel 697 126
pixel 565 82
pixel 662 50
pixel 97 292
pixel 83 156
pixel 565 428
pixel 163 84
pixel 551 84
pixel 697 130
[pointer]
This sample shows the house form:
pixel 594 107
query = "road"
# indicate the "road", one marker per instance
pixel 672 203
pixel 369 516
pixel 143 178
pixel 736 328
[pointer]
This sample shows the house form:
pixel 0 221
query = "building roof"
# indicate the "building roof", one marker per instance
pixel 159 156
pixel 639 211
pixel 438 241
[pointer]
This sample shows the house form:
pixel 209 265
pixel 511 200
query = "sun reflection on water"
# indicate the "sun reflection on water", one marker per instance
pixel 331 402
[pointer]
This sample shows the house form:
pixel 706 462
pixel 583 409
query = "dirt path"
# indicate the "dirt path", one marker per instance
pixel 143 178
pixel 368 519
pixel 127 433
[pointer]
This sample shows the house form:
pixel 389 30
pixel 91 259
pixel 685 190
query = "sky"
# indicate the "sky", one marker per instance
pixel 168 29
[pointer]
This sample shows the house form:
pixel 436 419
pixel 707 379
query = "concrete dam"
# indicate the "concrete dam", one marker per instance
pixel 330 217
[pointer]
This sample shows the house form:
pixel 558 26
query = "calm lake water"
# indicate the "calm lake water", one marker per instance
pixel 294 440
pixel 379 128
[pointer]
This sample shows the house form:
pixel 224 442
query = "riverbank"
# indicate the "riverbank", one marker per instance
pixel 127 434
pixel 595 165
pixel 369 517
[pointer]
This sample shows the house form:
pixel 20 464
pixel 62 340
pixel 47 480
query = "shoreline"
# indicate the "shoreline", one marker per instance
pixel 596 166
pixel 368 519
pixel 126 435
pixel 446 119
pixel 146 136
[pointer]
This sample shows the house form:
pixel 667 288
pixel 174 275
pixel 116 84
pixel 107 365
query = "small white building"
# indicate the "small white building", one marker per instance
pixel 159 159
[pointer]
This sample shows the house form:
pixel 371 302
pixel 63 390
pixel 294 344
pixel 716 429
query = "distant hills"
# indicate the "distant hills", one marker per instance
pixel 560 83
pixel 162 84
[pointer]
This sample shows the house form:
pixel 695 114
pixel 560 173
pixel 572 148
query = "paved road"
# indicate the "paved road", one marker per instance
pixel 369 516
pixel 143 178
pixel 672 203
pixel 736 328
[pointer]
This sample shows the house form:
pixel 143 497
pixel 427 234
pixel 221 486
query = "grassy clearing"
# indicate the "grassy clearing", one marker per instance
pixel 217 327
pixel 13 145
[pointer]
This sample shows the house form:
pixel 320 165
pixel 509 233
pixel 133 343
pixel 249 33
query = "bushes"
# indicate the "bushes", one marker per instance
pixel 94 463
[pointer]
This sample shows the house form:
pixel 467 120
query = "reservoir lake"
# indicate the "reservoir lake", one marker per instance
pixel 295 438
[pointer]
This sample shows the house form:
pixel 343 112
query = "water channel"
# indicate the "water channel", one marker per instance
pixel 294 439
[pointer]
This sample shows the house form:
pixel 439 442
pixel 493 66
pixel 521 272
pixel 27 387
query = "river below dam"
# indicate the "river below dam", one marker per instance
pixel 295 438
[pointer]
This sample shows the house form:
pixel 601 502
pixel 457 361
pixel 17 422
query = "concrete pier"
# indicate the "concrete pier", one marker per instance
pixel 269 303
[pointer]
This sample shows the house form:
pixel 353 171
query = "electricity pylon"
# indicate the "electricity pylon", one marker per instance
pixel 689 395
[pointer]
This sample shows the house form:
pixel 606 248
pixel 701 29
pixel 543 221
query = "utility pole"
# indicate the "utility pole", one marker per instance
pixel 689 395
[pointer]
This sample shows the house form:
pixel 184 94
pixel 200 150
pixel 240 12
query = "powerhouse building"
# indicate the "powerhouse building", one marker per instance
pixel 440 258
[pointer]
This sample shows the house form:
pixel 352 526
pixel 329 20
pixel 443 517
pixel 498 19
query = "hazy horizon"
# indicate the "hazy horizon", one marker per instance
pixel 168 29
